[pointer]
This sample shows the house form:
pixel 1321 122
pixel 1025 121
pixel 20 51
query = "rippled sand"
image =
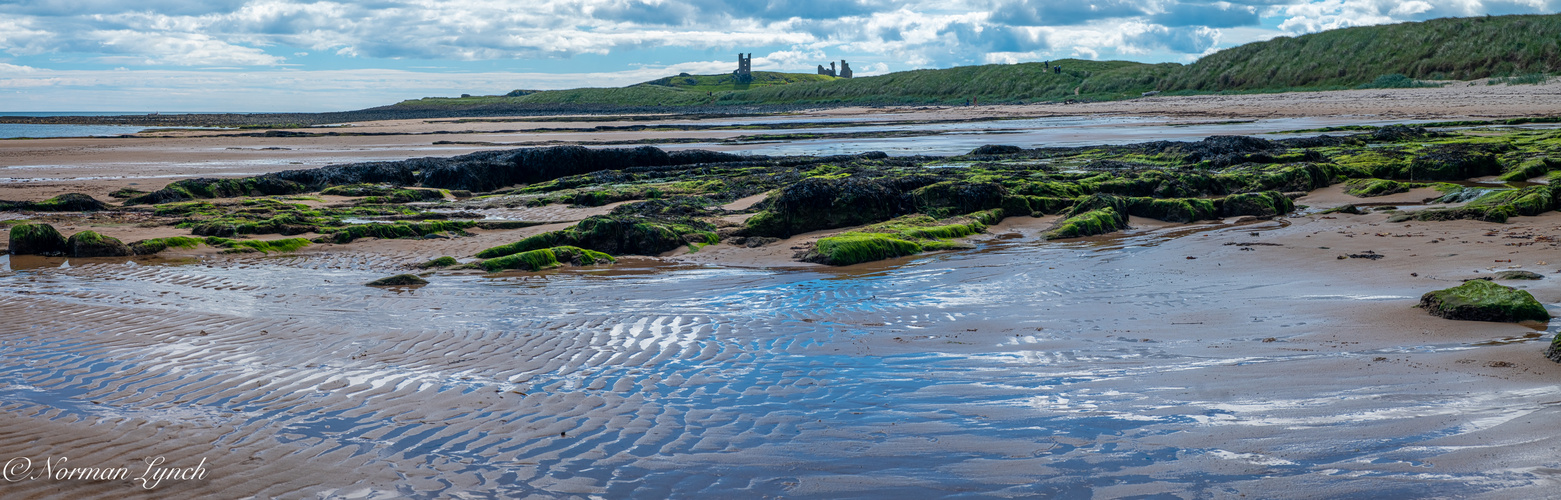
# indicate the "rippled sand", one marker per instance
pixel 1168 360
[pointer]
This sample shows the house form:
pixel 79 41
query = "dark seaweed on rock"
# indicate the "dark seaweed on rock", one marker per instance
pixel 615 235
pixel 92 244
pixel 37 239
pixel 480 171
pixel 491 170
pixel 68 202
pixel 823 203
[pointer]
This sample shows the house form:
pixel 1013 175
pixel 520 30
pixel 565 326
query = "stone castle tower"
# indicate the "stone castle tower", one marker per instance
pixel 744 73
pixel 843 72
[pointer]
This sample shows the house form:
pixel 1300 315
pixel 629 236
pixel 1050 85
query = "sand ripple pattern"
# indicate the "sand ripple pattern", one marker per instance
pixel 983 371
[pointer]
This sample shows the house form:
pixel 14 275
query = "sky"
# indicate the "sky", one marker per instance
pixel 330 55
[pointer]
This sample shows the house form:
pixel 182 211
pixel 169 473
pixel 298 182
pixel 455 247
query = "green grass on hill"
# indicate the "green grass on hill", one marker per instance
pixel 1439 49
pixel 1519 49
pixel 727 82
pixel 992 83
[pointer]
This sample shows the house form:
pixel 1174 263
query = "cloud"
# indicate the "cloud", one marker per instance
pixel 1210 15
pixel 622 41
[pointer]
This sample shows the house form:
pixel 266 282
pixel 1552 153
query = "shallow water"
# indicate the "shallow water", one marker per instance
pixel 15 130
pixel 1021 368
pixel 959 138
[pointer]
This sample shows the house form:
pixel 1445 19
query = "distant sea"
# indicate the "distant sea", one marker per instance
pixel 14 130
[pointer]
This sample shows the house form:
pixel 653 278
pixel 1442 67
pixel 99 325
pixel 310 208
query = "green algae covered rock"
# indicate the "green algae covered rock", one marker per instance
pixel 1264 204
pixel 1173 209
pixel 1366 188
pixel 156 245
pixel 620 235
pixel 92 244
pixel 70 202
pixel 853 248
pixel 1096 214
pixel 1482 300
pixel 399 280
pixel 37 239
pixel 536 260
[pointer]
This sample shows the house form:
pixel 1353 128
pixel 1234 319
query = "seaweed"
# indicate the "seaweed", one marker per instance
pixel 544 258
pixel 399 280
pixel 157 245
pixel 853 248
pixel 37 239
pixel 92 244
pixel 1481 300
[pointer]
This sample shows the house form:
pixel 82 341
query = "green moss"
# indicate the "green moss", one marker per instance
pixel 615 234
pixel 445 261
pixel 1264 204
pixel 1173 210
pixel 92 244
pixel 1366 188
pixel 1529 201
pixel 1093 222
pixel 157 245
pixel 1481 300
pixel 1529 170
pixel 241 246
pixel 37 239
pixel 536 260
pixel 347 234
pixel 853 248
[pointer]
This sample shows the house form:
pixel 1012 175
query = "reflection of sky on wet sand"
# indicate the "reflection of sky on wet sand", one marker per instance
pixel 1000 370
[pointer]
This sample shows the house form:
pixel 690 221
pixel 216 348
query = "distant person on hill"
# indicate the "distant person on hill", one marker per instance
pixel 1057 69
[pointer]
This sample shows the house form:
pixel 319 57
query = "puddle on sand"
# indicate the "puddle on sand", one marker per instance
pixel 1005 371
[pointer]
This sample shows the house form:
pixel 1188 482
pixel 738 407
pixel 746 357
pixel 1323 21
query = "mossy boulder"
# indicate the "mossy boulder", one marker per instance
pixel 1264 204
pixel 1173 210
pixel 1529 201
pixel 853 248
pixel 1451 162
pixel 616 235
pixel 157 245
pixel 826 203
pixel 1530 169
pixel 957 197
pixel 1482 300
pixel 37 239
pixel 536 260
pixel 1096 214
pixel 70 202
pixel 399 280
pixel 1366 188
pixel 92 244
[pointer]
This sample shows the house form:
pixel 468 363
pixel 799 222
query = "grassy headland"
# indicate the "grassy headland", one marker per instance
pixel 1517 49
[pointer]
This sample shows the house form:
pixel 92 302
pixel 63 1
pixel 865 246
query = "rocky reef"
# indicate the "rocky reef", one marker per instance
pixel 887 206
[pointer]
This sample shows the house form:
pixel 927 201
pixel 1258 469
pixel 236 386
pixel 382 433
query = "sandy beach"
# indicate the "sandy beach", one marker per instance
pixel 1241 357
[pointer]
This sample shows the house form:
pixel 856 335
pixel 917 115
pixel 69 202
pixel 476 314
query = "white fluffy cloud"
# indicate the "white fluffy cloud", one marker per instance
pixel 625 40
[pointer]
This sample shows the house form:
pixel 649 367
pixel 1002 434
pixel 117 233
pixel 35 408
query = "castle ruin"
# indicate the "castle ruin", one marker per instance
pixel 744 73
pixel 845 69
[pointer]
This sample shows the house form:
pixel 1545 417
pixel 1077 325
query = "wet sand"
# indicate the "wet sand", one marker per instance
pixel 1113 365
pixel 1221 359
